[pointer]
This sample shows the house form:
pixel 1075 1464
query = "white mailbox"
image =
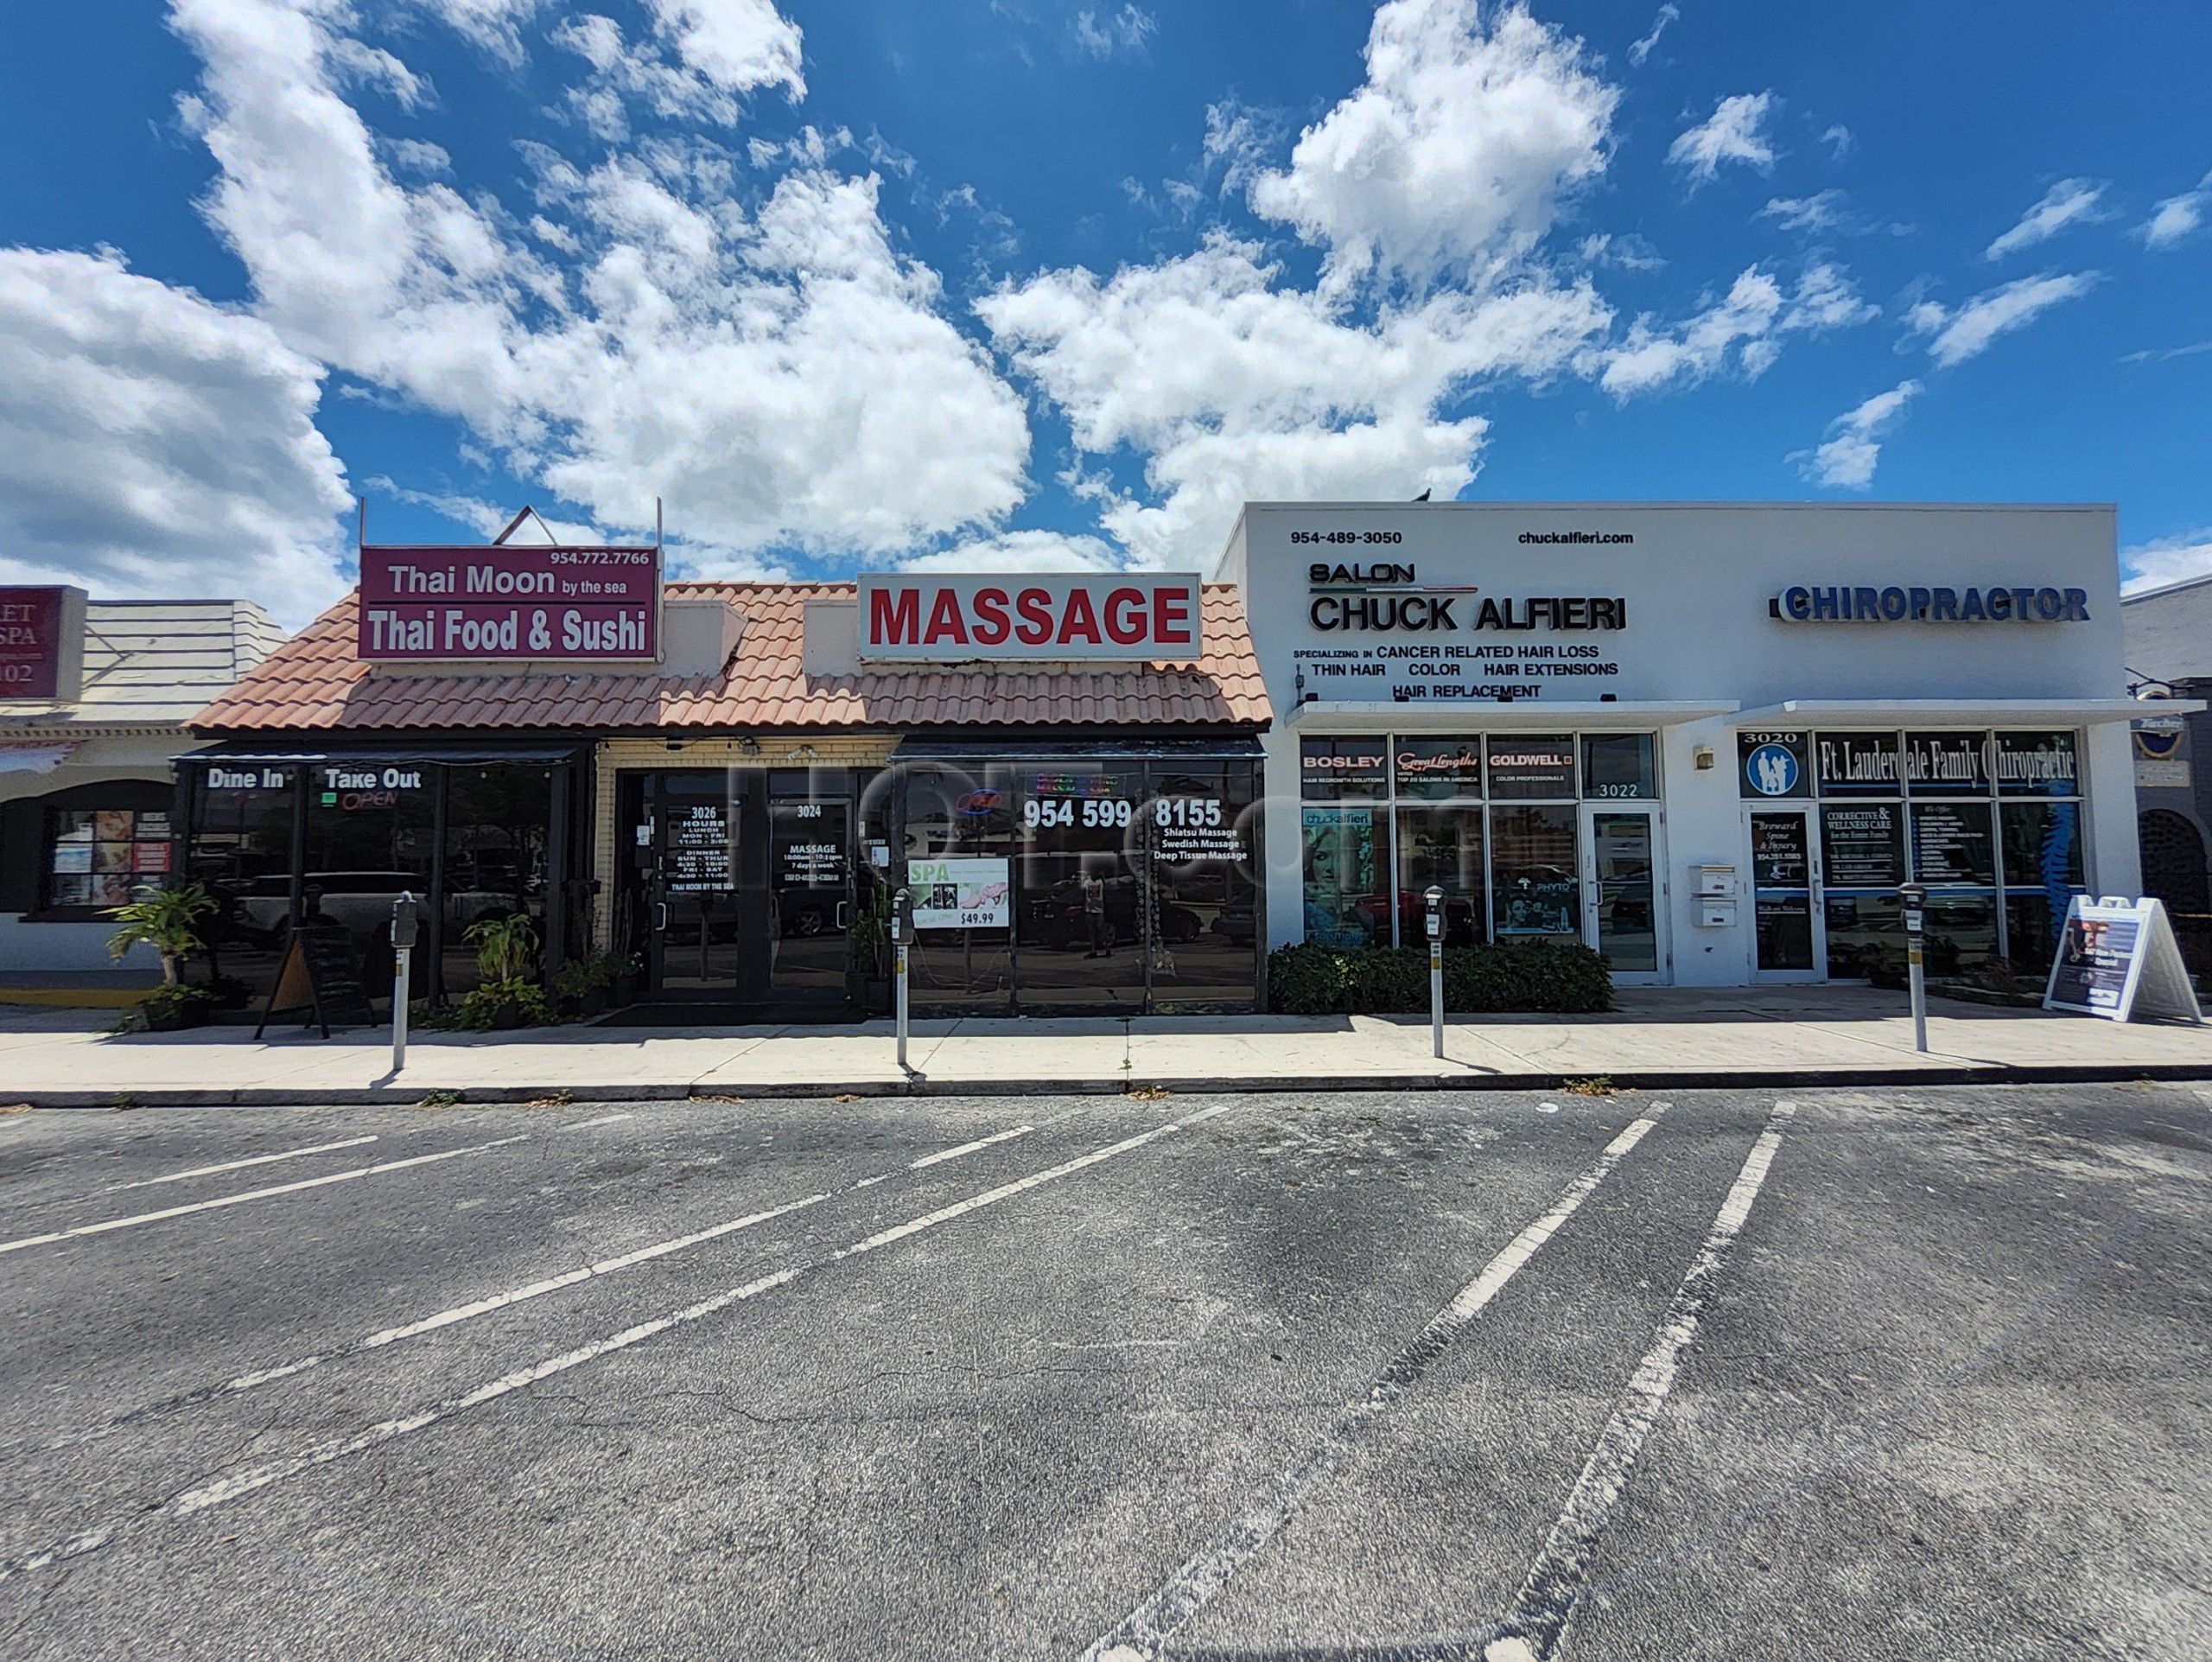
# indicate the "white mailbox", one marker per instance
pixel 1715 889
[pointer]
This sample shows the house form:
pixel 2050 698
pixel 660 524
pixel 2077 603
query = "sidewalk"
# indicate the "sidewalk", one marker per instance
pixel 1671 1037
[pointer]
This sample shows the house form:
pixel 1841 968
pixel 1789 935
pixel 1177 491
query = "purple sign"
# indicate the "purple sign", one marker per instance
pixel 487 605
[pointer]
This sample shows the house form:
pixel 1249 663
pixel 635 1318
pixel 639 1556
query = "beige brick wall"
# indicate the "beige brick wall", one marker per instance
pixel 768 750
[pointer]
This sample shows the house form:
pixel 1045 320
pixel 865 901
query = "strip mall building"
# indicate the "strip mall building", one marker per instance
pixel 1710 741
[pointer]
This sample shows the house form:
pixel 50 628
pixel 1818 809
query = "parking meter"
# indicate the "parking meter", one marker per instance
pixel 1433 920
pixel 902 932
pixel 406 927
pixel 1913 901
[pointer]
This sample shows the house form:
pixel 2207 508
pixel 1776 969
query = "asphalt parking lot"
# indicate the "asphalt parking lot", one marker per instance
pixel 1906 1374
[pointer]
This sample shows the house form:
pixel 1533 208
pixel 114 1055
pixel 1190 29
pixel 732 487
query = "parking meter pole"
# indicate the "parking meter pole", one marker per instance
pixel 1433 918
pixel 1915 896
pixel 405 924
pixel 901 915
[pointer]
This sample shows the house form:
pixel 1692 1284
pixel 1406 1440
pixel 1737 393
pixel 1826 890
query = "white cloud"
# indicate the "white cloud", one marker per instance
pixel 1639 50
pixel 494 25
pixel 723 49
pixel 1735 131
pixel 2176 218
pixel 1957 334
pixel 1845 457
pixel 1838 140
pixel 737 45
pixel 2167 560
pixel 782 376
pixel 152 443
pixel 1233 387
pixel 1454 153
pixel 1020 550
pixel 1820 212
pixel 1103 34
pixel 2062 204
pixel 1742 330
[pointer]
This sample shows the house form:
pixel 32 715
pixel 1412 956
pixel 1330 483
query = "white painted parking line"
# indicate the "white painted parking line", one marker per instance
pixel 1537 1624
pixel 501 1301
pixel 604 1119
pixel 222 1491
pixel 239 1165
pixel 969 1147
pixel 1146 1630
pixel 241 1198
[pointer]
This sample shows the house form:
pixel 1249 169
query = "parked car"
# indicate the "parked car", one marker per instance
pixel 1057 918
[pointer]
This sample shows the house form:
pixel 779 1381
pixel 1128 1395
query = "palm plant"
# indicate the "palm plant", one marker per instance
pixel 503 946
pixel 166 919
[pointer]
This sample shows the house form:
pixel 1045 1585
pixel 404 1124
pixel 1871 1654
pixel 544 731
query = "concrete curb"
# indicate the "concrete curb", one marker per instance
pixel 922 1085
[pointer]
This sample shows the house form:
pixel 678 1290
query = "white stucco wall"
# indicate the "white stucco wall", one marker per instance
pixel 1697 581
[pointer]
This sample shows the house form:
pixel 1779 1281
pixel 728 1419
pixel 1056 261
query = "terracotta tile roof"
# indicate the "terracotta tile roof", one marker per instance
pixel 314 682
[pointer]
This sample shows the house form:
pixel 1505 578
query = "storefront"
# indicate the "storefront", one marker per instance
pixel 93 698
pixel 1708 741
pixel 731 781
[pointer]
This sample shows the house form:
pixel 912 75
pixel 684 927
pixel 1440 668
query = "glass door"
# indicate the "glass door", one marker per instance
pixel 693 887
pixel 1084 923
pixel 1624 913
pixel 1785 895
pixel 810 876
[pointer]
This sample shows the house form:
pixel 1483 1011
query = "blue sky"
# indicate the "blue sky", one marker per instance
pixel 1021 283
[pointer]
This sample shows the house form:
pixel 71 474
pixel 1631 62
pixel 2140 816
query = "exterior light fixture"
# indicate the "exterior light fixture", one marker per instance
pixel 1703 755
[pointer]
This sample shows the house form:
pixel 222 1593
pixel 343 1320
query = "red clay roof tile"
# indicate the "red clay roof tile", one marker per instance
pixel 315 682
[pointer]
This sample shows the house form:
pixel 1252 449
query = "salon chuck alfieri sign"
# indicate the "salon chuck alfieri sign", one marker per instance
pixel 509 605
pixel 1483 604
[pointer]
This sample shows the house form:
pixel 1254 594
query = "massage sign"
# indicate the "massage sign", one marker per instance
pixel 1451 640
pixel 493 605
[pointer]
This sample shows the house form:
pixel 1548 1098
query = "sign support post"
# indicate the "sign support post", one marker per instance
pixel 1432 919
pixel 902 912
pixel 405 926
pixel 1915 897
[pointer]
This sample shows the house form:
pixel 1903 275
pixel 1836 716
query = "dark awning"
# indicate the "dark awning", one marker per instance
pixel 1045 747
pixel 415 752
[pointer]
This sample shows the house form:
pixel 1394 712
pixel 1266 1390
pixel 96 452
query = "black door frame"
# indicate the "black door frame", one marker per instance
pixel 750 994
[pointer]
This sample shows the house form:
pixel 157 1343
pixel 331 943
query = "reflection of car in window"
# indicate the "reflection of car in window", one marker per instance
pixel 1057 918
pixel 254 909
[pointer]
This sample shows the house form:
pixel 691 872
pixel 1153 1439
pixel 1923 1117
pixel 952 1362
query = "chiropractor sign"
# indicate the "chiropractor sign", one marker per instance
pixel 1132 615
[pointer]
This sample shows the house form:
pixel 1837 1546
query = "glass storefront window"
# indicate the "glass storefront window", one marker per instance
pixel 2042 844
pixel 241 847
pixel 1332 768
pixel 1953 844
pixel 2036 764
pixel 1862 845
pixel 1619 765
pixel 103 856
pixel 1865 935
pixel 1437 769
pixel 1947 764
pixel 1202 823
pixel 1773 766
pixel 954 812
pixel 1961 932
pixel 497 821
pixel 1858 764
pixel 1536 887
pixel 370 839
pixel 1531 768
pixel 1441 847
pixel 1343 877
pixel 1080 913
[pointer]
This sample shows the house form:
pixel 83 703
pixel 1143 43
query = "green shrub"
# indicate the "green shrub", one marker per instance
pixel 1308 980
